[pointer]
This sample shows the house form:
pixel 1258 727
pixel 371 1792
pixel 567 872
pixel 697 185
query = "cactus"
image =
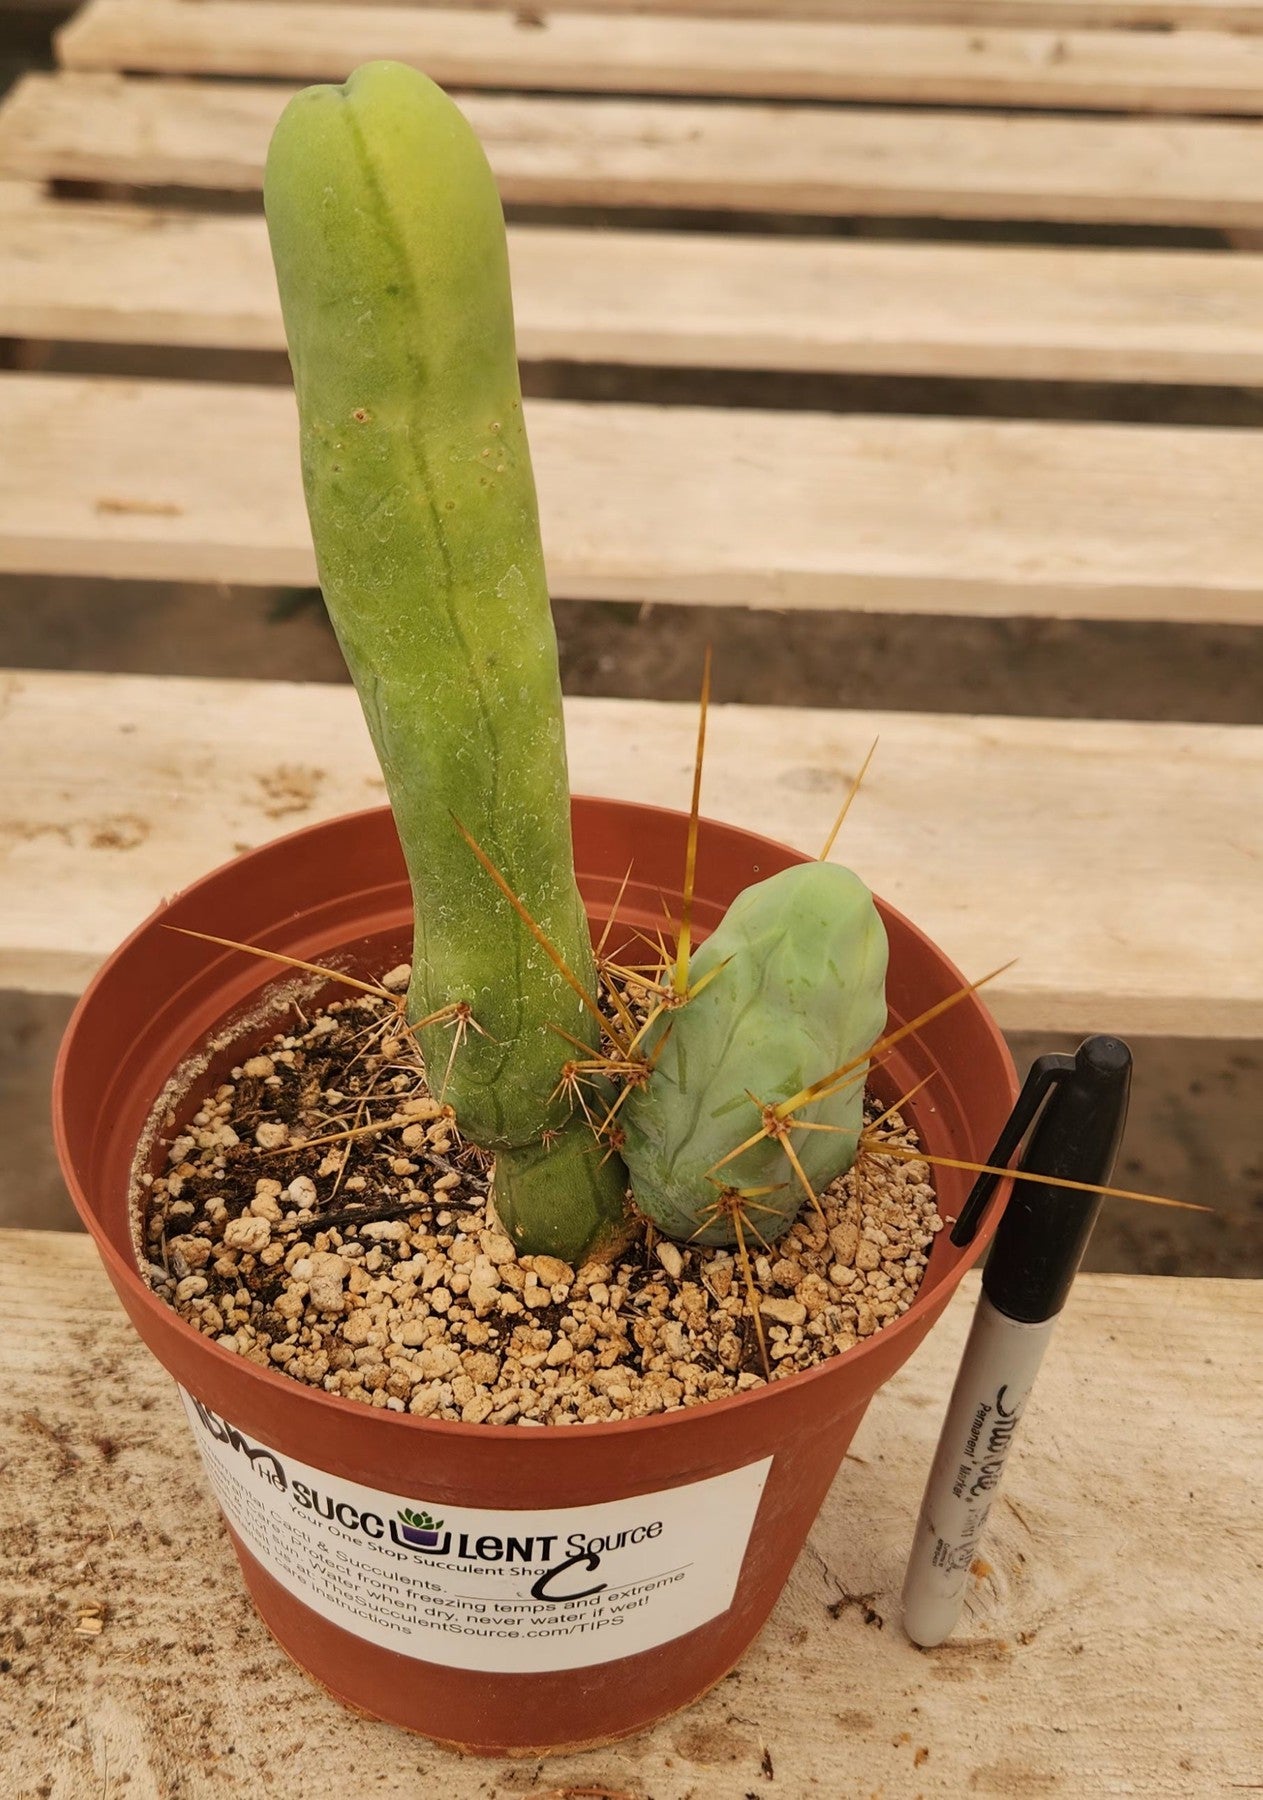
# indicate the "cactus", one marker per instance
pixel 389 245
pixel 391 259
pixel 798 991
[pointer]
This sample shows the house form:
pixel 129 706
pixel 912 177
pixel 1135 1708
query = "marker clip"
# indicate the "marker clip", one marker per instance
pixel 1071 1112
pixel 1044 1074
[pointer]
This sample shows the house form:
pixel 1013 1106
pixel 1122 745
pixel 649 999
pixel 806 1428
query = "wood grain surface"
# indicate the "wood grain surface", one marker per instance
pixel 200 482
pixel 784 58
pixel 109 274
pixel 1108 1646
pixel 565 151
pixel 1114 861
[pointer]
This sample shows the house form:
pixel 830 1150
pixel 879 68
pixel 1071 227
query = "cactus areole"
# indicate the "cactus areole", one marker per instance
pixel 392 264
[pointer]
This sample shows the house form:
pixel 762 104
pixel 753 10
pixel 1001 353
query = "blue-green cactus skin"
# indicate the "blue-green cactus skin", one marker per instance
pixel 802 992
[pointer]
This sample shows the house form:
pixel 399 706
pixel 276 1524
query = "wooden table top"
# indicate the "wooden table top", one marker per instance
pixel 1109 1647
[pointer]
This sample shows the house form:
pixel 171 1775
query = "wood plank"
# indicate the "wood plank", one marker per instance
pixel 566 152
pixel 788 59
pixel 1230 15
pixel 1113 860
pixel 104 1486
pixel 200 482
pixel 136 275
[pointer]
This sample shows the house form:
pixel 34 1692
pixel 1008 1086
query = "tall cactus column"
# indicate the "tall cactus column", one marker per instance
pixel 390 253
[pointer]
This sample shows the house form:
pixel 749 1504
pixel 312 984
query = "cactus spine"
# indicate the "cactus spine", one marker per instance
pixel 389 245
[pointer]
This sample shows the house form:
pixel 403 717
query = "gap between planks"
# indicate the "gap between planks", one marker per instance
pixel 787 59
pixel 116 274
pixel 561 151
pixel 1111 859
pixel 194 481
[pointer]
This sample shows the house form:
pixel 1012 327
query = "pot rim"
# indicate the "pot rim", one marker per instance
pixel 124 1269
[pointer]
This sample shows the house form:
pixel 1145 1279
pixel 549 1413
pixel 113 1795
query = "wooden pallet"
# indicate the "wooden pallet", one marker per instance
pixel 1119 861
pixel 719 505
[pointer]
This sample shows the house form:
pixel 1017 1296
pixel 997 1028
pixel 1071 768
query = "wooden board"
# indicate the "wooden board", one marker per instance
pixel 200 482
pixel 1086 1654
pixel 1115 861
pixel 1233 15
pixel 791 59
pixel 135 275
pixel 562 151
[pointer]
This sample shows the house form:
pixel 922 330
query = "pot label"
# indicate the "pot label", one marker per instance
pixel 475 1588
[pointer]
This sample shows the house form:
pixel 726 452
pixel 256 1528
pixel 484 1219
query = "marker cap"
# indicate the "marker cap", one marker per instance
pixel 1044 1230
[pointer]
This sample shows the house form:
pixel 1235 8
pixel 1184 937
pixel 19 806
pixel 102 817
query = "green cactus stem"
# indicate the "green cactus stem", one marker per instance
pixel 389 245
pixel 801 993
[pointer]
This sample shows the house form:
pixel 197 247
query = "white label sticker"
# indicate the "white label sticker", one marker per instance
pixel 480 1589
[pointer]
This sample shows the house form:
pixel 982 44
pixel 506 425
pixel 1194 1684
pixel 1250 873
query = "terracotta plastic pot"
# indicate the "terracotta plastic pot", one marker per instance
pixel 500 1589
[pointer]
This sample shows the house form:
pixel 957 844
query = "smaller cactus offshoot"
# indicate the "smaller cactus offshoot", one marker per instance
pixel 799 990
